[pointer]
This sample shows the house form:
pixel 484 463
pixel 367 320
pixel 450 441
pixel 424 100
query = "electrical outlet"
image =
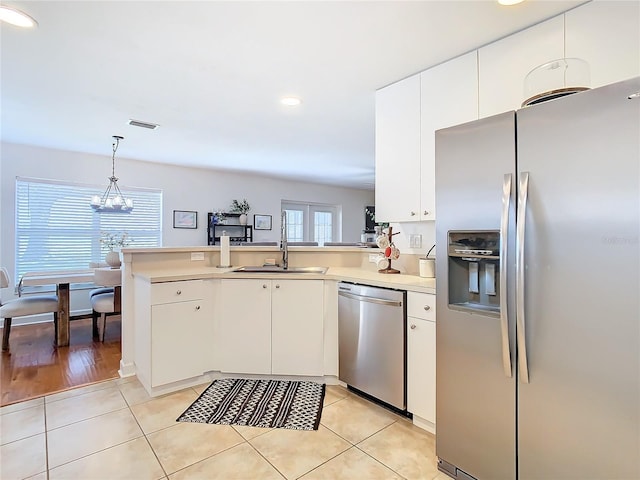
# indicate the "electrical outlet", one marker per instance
pixel 195 256
pixel 373 258
pixel 415 240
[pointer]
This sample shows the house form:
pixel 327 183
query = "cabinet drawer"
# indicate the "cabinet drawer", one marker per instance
pixel 183 291
pixel 421 305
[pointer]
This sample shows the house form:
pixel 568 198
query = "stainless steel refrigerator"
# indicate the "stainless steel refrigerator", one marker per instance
pixel 538 327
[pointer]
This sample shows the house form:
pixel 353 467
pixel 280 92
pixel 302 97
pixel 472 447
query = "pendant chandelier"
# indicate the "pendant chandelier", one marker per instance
pixel 112 200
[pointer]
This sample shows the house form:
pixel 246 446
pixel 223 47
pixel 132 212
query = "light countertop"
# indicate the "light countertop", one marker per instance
pixel 347 274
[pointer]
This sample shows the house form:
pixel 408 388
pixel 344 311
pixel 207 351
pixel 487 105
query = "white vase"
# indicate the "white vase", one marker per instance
pixel 243 219
pixel 113 259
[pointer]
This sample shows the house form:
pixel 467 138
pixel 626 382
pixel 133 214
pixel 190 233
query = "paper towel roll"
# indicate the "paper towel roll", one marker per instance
pixel 225 257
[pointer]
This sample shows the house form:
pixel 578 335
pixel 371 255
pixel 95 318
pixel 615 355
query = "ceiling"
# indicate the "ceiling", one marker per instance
pixel 211 74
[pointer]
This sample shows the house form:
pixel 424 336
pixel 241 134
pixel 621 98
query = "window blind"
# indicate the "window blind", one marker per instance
pixel 57 229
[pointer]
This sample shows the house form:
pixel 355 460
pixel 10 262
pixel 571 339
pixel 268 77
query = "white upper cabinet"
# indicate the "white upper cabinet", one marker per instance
pixel 449 96
pixel 398 151
pixel 607 35
pixel 503 65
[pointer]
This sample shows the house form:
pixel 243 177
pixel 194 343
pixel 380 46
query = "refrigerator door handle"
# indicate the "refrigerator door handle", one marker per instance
pixel 504 231
pixel 520 236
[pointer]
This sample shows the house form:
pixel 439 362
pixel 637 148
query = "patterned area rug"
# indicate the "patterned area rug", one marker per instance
pixel 259 403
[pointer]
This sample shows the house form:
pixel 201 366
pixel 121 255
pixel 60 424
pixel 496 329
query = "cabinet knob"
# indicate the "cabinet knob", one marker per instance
pixel 427 307
pixel 197 307
pixel 413 214
pixel 277 286
pixel 179 292
pixel 426 212
pixel 264 285
pixel 413 327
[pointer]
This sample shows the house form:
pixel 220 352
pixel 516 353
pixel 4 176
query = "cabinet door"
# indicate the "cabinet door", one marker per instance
pixel 606 35
pixel 503 65
pixel 421 368
pixel 449 96
pixel 178 341
pixel 297 327
pixel 397 189
pixel 245 326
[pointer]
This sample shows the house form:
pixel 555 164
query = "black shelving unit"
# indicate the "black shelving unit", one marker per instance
pixel 237 233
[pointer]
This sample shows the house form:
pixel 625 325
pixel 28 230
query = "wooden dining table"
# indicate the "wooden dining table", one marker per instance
pixel 62 280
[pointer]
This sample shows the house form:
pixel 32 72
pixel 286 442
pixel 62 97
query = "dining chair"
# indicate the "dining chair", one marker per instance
pixel 107 302
pixel 23 306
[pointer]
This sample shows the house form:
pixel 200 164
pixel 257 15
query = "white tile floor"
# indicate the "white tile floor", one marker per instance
pixel 114 430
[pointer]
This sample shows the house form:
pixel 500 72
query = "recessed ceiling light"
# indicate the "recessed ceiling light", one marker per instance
pixel 509 2
pixel 290 101
pixel 16 17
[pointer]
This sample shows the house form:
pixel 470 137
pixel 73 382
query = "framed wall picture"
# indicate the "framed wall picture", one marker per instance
pixel 262 222
pixel 185 219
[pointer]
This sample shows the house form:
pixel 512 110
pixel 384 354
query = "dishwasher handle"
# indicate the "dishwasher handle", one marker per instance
pixel 362 298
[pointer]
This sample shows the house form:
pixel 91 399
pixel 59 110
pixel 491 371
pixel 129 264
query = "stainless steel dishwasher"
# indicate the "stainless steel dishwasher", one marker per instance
pixel 372 339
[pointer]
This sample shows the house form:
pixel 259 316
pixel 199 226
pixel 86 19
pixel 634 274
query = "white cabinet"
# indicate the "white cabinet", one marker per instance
pixel 173 331
pixel 503 65
pixel 449 96
pixel 421 359
pixel 297 346
pixel 397 189
pixel 245 326
pixel 607 35
pixel 271 326
pixel 179 342
pixel 407 115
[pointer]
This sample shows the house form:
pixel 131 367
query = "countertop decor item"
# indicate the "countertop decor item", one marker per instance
pixel 114 241
pixel 390 251
pixel 225 254
pixel 296 405
pixel 112 200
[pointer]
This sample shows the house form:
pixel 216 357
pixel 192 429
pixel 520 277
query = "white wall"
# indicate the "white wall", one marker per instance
pixel 183 188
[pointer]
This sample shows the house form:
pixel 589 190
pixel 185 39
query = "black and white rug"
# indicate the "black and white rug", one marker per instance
pixel 259 403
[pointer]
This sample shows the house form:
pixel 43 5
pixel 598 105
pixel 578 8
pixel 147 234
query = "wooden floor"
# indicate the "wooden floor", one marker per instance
pixel 33 366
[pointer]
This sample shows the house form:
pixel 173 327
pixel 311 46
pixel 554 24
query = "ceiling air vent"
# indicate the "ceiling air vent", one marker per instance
pixel 138 123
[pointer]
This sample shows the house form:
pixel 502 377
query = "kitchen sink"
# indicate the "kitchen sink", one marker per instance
pixel 277 269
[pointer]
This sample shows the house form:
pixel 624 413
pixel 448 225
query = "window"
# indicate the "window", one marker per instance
pixel 57 229
pixel 308 222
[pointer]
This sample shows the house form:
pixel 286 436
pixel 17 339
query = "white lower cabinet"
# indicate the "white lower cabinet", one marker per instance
pixel 297 346
pixel 245 326
pixel 272 327
pixel 173 332
pixel 421 359
pixel 179 343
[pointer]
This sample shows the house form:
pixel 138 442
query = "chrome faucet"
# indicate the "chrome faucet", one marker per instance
pixel 284 247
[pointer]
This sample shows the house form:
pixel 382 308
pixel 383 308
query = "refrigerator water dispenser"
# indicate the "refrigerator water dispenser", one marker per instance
pixel 473 260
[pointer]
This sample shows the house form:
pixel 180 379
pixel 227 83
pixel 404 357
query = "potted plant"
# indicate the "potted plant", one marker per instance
pixel 113 241
pixel 219 217
pixel 242 208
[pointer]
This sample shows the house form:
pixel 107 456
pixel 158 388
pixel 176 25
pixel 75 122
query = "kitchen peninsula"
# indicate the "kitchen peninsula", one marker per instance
pixel 186 321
